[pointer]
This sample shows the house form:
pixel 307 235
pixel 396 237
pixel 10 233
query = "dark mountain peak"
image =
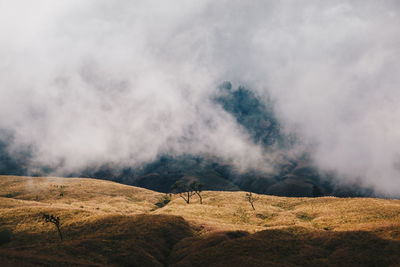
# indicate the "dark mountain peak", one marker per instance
pixel 250 112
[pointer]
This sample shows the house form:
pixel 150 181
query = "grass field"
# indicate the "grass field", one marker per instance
pixel 109 224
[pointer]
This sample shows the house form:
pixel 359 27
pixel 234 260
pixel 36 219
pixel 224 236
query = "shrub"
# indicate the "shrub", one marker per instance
pixel 164 200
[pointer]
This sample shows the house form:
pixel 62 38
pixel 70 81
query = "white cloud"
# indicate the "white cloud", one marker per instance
pixel 122 81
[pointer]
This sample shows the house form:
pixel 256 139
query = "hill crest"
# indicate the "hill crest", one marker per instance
pixel 97 215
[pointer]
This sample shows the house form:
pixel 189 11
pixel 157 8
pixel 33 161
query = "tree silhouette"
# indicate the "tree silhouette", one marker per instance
pixel 186 191
pixel 197 188
pixel 183 190
pixel 55 221
pixel 251 199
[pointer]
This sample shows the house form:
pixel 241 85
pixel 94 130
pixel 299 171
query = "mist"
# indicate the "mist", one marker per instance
pixel 94 82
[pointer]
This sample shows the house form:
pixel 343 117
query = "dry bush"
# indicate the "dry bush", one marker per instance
pixel 163 201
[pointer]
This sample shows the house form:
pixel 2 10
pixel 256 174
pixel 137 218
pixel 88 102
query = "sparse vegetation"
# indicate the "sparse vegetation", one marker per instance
pixel 61 190
pixel 197 189
pixel 164 200
pixel 186 191
pixel 251 199
pixel 241 216
pixel 305 216
pixel 284 205
pixel 116 229
pixel 55 220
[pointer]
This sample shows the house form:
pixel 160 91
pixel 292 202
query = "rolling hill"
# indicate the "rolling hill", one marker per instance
pixel 109 224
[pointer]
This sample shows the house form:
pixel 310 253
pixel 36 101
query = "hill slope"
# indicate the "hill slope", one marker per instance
pixel 106 223
pixel 292 175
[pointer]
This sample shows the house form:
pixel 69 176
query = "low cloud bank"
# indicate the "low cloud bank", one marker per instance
pixel 97 82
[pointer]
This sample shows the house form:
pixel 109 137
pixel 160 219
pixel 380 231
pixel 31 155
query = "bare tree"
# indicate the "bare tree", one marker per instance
pixel 55 221
pixel 251 199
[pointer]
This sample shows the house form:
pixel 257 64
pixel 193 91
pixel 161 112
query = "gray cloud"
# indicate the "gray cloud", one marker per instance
pixel 123 81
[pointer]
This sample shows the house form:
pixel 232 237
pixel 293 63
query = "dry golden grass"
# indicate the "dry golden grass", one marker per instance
pixel 116 224
pixel 231 211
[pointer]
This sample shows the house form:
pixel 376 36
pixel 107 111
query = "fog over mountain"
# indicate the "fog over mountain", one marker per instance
pixel 234 89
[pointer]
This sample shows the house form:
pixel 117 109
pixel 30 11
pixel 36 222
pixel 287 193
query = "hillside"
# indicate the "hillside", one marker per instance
pixel 292 175
pixel 110 224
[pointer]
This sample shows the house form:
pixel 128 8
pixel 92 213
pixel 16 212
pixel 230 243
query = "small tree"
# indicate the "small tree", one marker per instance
pixel 55 221
pixel 250 198
pixel 184 191
pixel 197 188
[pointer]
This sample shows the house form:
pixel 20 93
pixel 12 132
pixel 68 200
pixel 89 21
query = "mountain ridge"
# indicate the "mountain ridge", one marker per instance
pixel 292 175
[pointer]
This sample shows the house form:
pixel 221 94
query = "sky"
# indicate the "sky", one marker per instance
pixel 93 82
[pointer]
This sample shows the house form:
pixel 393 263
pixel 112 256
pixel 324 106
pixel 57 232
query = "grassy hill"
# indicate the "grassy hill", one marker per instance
pixel 109 224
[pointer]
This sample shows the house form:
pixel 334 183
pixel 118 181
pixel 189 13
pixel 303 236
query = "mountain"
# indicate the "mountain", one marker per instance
pixel 104 223
pixel 293 176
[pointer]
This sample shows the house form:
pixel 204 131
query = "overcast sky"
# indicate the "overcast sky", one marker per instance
pixel 91 82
